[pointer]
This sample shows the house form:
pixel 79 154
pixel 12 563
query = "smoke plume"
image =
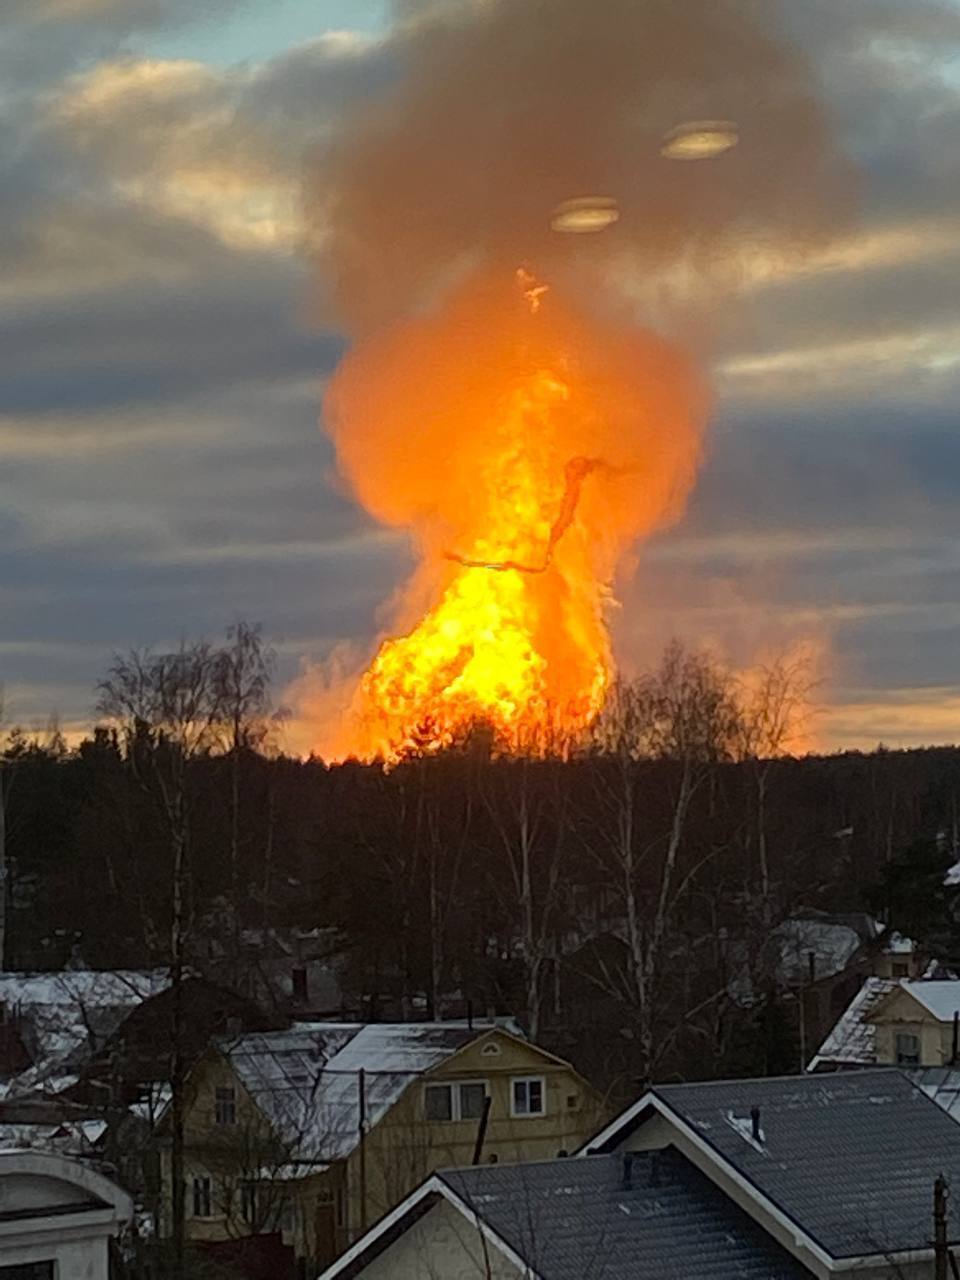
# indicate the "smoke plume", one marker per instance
pixel 527 437
pixel 505 108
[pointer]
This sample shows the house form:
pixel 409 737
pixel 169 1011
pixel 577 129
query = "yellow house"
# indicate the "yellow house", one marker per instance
pixel 916 1024
pixel 318 1131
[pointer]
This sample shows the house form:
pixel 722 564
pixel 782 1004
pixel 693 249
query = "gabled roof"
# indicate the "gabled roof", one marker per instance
pixel 939 998
pixel 306 1080
pixel 848 1159
pixel 853 1040
pixel 656 1218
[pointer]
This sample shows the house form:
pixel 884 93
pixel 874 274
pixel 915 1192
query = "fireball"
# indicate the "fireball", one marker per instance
pixel 525 446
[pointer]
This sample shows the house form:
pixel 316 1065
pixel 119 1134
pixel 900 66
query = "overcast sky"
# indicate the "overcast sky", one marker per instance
pixel 162 471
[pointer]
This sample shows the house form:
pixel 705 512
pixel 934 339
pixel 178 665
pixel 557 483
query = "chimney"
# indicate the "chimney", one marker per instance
pixel 755 1130
pixel 626 1183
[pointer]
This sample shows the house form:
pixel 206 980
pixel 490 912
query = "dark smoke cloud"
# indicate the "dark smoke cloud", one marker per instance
pixel 507 107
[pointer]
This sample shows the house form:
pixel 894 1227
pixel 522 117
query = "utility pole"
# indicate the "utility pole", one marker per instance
pixel 940 1251
pixel 362 1128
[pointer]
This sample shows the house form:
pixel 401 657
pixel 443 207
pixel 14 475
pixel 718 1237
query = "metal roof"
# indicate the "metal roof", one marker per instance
pixel 849 1157
pixel 306 1080
pixel 853 1040
pixel 941 998
pixel 579 1219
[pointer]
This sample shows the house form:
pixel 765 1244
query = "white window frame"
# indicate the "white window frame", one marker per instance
pixel 528 1080
pixel 456 1109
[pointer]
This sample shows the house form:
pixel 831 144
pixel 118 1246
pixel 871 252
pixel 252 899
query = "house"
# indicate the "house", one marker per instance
pixel 317 1131
pixel 896 1023
pixel 838 1170
pixel 58 1217
pixel 645 1216
pixel 853 1040
pixel 51 1022
pixel 776 1178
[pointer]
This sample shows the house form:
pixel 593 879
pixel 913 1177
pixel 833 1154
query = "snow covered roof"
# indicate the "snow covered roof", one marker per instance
pixel 306 1080
pixel 895 944
pixel 74 1137
pixel 785 954
pixel 67 1013
pixel 942 998
pixel 852 1042
pixel 832 945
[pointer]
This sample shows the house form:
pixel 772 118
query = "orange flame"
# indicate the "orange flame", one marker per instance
pixel 526 447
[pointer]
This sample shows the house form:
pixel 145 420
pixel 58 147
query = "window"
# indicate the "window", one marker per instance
pixel 202 1198
pixel 908 1049
pixel 900 969
pixel 248 1202
pixel 461 1101
pixel 225 1105
pixel 28 1271
pixel 527 1096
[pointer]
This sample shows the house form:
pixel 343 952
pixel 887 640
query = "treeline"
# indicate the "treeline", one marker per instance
pixel 614 898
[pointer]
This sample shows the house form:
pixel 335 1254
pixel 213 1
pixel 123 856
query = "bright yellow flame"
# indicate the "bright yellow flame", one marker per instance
pixel 479 655
pixel 585 214
pixel 700 140
pixel 526 445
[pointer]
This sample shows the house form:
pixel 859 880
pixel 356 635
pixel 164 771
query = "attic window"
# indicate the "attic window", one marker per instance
pixel 225 1105
pixel 491 1050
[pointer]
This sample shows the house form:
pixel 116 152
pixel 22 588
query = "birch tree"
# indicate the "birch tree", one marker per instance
pixel 168 712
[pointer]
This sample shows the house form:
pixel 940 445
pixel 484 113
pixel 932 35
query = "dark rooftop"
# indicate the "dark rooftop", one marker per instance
pixel 851 1158
pixel 590 1219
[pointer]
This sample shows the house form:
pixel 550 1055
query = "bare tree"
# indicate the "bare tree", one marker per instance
pixel 167 709
pixel 528 819
pixel 683 718
pixel 242 671
pixel 773 705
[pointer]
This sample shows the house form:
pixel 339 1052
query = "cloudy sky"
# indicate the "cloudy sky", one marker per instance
pixel 162 472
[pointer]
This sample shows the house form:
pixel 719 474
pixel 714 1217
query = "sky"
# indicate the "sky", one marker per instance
pixel 162 468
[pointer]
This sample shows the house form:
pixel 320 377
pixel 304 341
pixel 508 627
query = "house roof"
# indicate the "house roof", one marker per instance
pixel 850 1158
pixel 559 1219
pixel 853 1040
pixel 306 1080
pixel 63 1011
pixel 833 945
pixel 670 1222
pixel 940 998
pixel 941 1084
pixel 832 941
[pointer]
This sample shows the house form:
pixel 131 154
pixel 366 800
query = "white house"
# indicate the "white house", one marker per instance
pixel 57 1217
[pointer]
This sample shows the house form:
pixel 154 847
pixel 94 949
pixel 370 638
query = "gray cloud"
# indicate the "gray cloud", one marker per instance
pixel 161 470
